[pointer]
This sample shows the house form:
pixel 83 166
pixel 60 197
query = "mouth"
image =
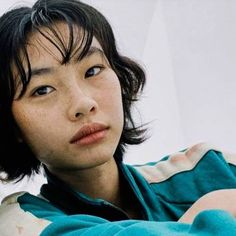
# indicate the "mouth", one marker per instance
pixel 89 134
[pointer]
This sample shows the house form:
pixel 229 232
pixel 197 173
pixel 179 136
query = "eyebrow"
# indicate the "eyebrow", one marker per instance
pixel 41 71
pixel 94 50
pixel 50 70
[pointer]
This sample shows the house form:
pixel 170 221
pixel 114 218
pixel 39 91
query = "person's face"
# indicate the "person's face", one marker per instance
pixel 62 99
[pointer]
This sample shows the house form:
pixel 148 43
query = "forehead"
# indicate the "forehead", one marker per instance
pixel 55 42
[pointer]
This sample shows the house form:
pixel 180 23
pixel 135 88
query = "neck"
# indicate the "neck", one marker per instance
pixel 98 182
pixel 103 182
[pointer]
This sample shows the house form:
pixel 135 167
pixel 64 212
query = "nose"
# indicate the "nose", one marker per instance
pixel 80 104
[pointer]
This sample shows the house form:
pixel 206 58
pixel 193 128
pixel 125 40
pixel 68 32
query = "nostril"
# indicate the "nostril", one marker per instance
pixel 92 109
pixel 83 111
pixel 77 114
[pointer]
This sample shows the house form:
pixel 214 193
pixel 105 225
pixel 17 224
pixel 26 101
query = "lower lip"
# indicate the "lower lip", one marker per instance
pixel 92 138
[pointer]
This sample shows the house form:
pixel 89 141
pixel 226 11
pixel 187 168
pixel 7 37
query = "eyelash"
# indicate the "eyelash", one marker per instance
pixel 100 67
pixel 40 88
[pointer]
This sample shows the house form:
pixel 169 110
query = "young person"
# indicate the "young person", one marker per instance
pixel 65 105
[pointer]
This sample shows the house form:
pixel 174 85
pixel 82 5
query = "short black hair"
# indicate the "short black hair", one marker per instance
pixel 16 26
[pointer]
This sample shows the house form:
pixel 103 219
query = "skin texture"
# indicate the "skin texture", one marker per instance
pixel 47 118
pixel 220 199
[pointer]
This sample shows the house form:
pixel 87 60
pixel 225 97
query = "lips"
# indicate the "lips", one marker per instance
pixel 87 131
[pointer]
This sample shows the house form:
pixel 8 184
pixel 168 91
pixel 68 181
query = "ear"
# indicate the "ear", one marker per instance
pixel 19 139
pixel 18 135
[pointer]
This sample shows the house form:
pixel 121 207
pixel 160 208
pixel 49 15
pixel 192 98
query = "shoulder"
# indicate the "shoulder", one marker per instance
pixel 185 176
pixel 184 161
pixel 14 220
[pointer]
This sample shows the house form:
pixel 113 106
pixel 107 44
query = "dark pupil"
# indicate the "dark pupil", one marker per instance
pixel 42 91
pixel 90 72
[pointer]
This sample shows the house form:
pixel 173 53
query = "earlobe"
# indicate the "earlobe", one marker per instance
pixel 19 140
pixel 18 135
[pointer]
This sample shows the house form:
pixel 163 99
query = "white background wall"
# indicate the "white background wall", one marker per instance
pixel 188 48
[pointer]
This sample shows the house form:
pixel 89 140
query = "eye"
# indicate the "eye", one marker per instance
pixel 93 71
pixel 43 90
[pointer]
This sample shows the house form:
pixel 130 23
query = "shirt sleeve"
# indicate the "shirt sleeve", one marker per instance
pixel 209 222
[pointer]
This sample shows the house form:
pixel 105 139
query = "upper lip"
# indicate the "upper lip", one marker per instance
pixel 87 130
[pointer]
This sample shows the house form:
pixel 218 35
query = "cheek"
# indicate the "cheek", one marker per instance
pixel 21 117
pixel 31 123
pixel 111 100
pixel 115 112
pixel 36 132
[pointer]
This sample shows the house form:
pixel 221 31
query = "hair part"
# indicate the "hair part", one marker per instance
pixel 16 27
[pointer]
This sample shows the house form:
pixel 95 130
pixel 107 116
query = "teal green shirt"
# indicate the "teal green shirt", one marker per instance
pixel 165 190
